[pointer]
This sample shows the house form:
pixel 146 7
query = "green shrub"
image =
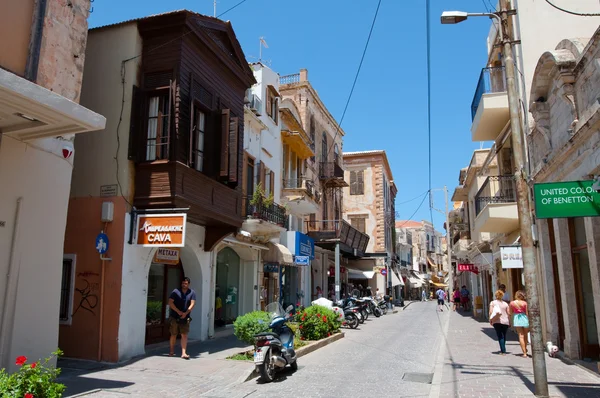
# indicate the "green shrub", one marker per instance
pixel 317 322
pixel 36 379
pixel 154 310
pixel 246 326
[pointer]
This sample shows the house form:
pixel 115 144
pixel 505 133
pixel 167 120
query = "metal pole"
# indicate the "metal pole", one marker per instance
pixel 449 245
pixel 337 272
pixel 524 211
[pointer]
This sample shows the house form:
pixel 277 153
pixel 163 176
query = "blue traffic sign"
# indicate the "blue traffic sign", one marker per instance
pixel 102 243
pixel 383 272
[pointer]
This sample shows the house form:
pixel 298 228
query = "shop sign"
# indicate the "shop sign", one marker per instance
pixel 301 244
pixel 270 267
pixel 511 256
pixel 566 199
pixel 165 230
pixel 332 270
pixel 468 268
pixel 302 260
pixel 165 255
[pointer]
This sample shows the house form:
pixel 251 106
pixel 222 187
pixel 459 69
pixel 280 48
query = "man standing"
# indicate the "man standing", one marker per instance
pixel 181 303
pixel 464 298
pixel 423 295
pixel 506 296
pixel 440 298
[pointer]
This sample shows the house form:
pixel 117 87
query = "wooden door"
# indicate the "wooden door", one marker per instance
pixel 162 279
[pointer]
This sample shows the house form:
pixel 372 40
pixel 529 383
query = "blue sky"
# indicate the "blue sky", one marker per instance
pixel 388 109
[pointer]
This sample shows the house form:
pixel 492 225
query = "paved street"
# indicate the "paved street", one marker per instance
pixel 417 352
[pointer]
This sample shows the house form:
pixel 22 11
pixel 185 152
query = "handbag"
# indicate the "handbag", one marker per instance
pixel 496 312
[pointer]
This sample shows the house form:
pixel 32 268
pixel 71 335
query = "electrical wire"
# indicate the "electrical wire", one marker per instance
pixel 118 135
pixel 415 212
pixel 579 14
pixel 415 198
pixel 362 58
pixel 428 26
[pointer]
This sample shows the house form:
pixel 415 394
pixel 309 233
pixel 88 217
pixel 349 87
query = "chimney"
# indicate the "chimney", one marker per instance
pixel 303 75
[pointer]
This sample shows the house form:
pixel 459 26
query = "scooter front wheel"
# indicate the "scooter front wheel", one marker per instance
pixel 294 365
pixel 352 321
pixel 267 369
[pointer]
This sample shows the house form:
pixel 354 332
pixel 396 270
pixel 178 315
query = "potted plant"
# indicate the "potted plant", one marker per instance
pixel 257 199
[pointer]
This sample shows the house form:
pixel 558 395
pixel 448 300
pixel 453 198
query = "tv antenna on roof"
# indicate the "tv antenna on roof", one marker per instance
pixel 215 8
pixel 261 44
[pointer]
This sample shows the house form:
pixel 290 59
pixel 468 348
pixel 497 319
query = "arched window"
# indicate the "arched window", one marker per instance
pixel 336 154
pixel 324 148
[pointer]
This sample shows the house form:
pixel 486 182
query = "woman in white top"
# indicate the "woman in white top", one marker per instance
pixel 500 319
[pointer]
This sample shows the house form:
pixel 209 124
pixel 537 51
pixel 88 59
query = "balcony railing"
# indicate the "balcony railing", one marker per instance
pixel 491 80
pixel 273 213
pixel 330 170
pixel 289 79
pixel 496 189
pixel 328 230
pixel 300 183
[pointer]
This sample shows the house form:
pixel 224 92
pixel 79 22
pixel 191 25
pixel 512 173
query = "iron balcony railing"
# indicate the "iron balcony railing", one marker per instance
pixel 273 213
pixel 338 229
pixel 495 189
pixel 329 170
pixel 300 183
pixel 491 80
pixel 289 79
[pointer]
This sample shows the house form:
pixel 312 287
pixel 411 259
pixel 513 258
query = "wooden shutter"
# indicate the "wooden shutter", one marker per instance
pixel 272 181
pixel 233 149
pixel 360 182
pixel 191 155
pixel 224 171
pixel 261 175
pixel 137 148
pixel 353 183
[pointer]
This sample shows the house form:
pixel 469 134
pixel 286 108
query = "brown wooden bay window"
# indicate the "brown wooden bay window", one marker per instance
pixel 198 136
pixel 158 123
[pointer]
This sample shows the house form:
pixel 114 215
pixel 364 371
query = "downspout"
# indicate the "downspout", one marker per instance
pixel 35 40
pixel 12 272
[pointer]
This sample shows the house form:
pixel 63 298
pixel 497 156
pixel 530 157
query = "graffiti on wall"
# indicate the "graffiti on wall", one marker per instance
pixel 88 299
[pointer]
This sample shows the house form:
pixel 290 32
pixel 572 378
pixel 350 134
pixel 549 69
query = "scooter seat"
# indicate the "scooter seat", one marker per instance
pixel 267 334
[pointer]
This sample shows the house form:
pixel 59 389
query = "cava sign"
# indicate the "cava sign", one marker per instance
pixel 165 230
pixel 566 199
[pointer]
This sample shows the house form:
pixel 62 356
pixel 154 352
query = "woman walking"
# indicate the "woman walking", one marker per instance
pixel 499 319
pixel 518 307
pixel 456 299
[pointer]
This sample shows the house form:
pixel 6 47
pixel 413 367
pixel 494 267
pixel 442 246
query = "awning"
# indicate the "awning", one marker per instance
pixel 279 254
pixel 438 284
pixel 356 274
pixel 414 282
pixel 396 281
pixel 233 240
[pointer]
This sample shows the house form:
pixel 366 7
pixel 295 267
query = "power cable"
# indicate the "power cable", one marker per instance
pixel 362 58
pixel 579 14
pixel 428 25
pixel 415 212
pixel 415 198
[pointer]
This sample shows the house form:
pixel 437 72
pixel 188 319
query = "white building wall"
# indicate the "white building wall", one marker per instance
pixel 37 173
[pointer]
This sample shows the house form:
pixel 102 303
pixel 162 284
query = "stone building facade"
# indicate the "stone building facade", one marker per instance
pixel 564 141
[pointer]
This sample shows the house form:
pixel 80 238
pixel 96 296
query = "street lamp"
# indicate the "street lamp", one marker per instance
pixel 523 203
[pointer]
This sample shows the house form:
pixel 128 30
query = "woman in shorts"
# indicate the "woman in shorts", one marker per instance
pixel 456 299
pixel 520 312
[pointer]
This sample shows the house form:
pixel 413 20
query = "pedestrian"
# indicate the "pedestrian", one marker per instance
pixel 319 292
pixel 464 298
pixel 181 303
pixel 423 295
pixel 506 296
pixel 518 308
pixel 500 319
pixel 456 298
pixel 440 299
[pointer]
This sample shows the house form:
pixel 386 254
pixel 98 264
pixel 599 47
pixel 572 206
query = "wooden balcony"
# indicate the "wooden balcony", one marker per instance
pixel 168 184
pixel 332 174
pixel 327 233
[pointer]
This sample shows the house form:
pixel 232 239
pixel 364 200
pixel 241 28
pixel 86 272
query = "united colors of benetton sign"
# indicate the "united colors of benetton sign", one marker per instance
pixel 566 199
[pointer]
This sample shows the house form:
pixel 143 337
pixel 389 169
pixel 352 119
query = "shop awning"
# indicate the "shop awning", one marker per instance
pixel 438 284
pixel 414 282
pixel 356 274
pixel 396 281
pixel 279 254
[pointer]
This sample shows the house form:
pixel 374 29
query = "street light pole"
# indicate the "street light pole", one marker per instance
pixel 523 203
pixel 449 245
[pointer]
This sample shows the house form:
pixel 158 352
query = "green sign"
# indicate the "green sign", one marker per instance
pixel 566 199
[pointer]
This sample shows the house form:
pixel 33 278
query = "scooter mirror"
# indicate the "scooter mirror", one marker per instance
pixel 288 309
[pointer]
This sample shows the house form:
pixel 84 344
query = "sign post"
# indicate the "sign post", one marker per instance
pixel 511 257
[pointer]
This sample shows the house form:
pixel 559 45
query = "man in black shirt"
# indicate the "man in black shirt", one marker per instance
pixel 181 303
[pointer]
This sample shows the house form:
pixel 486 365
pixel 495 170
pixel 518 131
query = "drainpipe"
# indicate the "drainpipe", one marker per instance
pixel 101 327
pixel 12 276
pixel 35 42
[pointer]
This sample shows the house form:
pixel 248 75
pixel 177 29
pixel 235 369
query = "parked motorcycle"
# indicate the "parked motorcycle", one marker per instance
pixel 351 315
pixel 275 349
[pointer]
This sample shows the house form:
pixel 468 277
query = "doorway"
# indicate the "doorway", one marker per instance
pixel 557 291
pixel 227 288
pixel 162 280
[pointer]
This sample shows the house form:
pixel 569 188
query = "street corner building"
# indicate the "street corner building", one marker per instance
pixel 42 56
pixel 155 195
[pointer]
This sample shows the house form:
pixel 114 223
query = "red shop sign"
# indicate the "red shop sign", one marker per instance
pixel 332 270
pixel 468 267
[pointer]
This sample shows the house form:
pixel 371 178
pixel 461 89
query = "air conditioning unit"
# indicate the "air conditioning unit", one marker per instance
pixel 317 196
pixel 255 104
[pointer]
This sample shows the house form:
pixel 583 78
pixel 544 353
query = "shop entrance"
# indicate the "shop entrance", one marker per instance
pixel 162 280
pixel 227 288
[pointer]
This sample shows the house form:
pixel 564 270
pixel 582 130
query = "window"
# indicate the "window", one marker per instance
pixel 66 288
pixel 312 135
pixel 272 105
pixel 325 211
pixel 269 182
pixel 357 186
pixel 336 154
pixel 312 221
pixel 359 223
pixel 249 177
pixel 198 131
pixel 324 148
pixel 157 138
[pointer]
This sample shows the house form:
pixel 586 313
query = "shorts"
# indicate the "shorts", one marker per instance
pixel 178 328
pixel 456 301
pixel 464 300
pixel 440 301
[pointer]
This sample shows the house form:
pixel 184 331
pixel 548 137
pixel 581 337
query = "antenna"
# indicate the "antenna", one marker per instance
pixel 261 44
pixel 215 8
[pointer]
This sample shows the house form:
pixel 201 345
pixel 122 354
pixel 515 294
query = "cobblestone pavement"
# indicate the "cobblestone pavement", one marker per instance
pixel 370 361
pixel 471 366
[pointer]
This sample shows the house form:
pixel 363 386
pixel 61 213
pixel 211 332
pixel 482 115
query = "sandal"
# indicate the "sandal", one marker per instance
pixel 171 354
pixel 185 356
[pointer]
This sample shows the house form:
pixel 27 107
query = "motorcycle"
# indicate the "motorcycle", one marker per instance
pixel 351 315
pixel 275 349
